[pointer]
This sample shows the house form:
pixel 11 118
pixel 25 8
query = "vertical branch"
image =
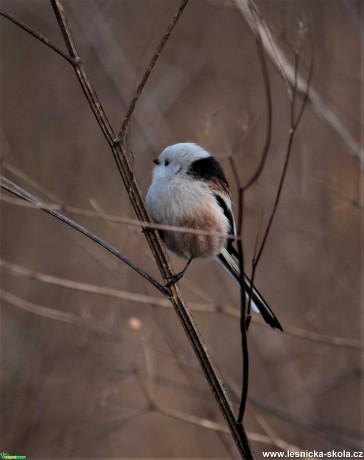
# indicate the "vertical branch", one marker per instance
pixel 243 314
pixel 268 95
pixel 154 241
pixel 243 309
pixel 293 128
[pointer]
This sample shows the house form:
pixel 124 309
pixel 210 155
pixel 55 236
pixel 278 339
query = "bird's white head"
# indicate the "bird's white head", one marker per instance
pixel 177 159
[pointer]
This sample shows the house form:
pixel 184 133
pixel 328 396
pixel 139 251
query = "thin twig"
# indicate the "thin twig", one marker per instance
pixel 112 218
pixel 350 200
pixel 333 432
pixel 6 184
pixel 18 270
pixel 293 127
pixel 275 440
pixel 150 360
pixel 32 182
pixel 199 307
pixel 184 281
pixel 119 154
pixel 271 438
pixel 292 132
pixel 59 206
pixel 150 67
pixel 286 70
pixel 243 306
pixel 215 426
pixel 268 95
pixel 243 312
pixel 37 35
pixel 150 395
pixel 51 313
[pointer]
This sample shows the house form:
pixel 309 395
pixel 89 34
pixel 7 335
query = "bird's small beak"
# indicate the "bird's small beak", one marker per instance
pixel 156 161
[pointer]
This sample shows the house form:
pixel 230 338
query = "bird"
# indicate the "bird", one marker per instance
pixel 189 189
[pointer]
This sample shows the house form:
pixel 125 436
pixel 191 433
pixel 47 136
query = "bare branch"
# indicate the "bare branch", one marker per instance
pixel 32 182
pixel 112 218
pixel 199 307
pixel 18 270
pixel 274 439
pixel 21 193
pixel 286 70
pixel 193 287
pixel 268 94
pixel 38 36
pixel 215 426
pixel 244 306
pixel 294 125
pixel 51 313
pixel 244 324
pixel 271 438
pixel 340 435
pixel 150 67
pixel 336 190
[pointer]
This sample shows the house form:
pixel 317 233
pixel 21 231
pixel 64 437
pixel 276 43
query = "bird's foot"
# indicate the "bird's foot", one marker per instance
pixel 174 279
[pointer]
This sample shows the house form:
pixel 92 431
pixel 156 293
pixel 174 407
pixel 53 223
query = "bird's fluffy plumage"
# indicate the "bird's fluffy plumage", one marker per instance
pixel 189 189
pixel 183 194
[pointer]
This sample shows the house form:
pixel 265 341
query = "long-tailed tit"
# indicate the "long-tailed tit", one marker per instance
pixel 189 189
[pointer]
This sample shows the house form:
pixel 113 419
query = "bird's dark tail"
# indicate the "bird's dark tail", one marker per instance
pixel 258 302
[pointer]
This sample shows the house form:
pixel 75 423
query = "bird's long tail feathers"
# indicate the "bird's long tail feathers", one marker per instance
pixel 258 303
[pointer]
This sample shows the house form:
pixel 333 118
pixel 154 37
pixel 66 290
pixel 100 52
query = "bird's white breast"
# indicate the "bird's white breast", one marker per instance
pixel 172 200
pixel 183 201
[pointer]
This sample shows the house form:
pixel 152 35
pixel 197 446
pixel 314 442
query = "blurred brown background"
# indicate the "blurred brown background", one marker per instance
pixel 70 391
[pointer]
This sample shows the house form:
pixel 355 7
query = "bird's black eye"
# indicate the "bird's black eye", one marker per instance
pixel 166 163
pixel 156 161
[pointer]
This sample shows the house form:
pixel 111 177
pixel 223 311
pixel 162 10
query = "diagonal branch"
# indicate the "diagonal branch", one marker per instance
pixel 114 219
pixel 287 72
pixel 9 186
pixel 150 67
pixel 37 35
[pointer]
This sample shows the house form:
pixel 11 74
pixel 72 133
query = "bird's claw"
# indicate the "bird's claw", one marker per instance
pixel 174 279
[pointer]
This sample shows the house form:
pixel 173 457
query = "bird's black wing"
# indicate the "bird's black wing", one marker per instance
pixel 228 214
pixel 209 170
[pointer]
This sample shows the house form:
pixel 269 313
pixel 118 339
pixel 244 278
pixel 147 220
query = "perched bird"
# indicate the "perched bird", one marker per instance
pixel 189 189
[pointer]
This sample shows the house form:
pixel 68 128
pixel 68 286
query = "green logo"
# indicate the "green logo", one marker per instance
pixel 6 455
